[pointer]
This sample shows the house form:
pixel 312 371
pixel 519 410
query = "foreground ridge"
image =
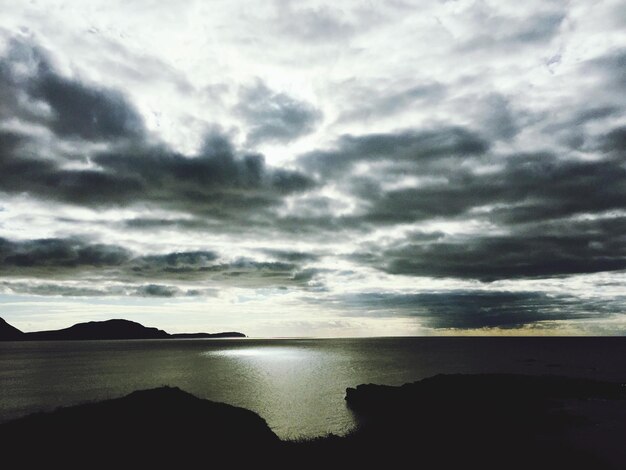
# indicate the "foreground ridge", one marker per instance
pixel 446 421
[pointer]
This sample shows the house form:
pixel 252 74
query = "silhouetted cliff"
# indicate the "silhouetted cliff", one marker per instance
pixel 9 332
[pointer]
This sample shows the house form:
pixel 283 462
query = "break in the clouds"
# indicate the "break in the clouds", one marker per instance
pixel 308 168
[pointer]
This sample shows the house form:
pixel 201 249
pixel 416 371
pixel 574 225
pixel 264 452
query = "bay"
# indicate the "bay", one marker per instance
pixel 296 385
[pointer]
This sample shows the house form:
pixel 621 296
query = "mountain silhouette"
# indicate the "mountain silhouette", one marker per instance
pixel 95 330
pixel 9 332
pixel 225 334
pixel 109 329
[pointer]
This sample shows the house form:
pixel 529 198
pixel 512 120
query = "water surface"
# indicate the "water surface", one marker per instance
pixel 297 385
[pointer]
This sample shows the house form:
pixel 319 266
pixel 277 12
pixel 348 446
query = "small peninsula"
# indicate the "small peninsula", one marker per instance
pixel 103 330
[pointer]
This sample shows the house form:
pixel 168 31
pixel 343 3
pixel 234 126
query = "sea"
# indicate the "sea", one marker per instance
pixel 297 385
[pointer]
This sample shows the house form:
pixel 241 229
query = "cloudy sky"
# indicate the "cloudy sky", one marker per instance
pixel 305 168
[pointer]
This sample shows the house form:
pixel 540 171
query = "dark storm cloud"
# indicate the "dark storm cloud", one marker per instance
pixel 476 309
pixel 275 117
pixel 217 182
pixel 9 144
pixel 291 256
pixel 182 259
pixel 406 146
pixel 157 290
pixel 536 201
pixel 196 267
pixel 404 177
pixel 87 112
pixel 56 289
pixel 201 264
pixel 59 289
pixel 75 109
pixel 528 187
pixel 182 265
pixel 63 258
pixel 536 251
pixel 571 131
pixel 22 173
pixel 614 142
pixel 457 175
pixel 57 253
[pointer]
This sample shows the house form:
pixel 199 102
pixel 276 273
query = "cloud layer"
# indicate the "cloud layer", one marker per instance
pixel 458 165
pixel 97 264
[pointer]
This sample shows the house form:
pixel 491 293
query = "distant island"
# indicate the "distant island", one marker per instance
pixel 101 330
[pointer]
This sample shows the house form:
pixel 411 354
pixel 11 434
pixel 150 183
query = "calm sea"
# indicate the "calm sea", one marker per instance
pixel 297 385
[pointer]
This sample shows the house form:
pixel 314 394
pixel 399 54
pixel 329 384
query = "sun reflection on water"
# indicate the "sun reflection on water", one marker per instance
pixel 266 353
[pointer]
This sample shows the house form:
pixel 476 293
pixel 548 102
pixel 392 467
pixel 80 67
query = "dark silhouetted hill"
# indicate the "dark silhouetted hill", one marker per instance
pixel 445 422
pixel 225 334
pixel 157 428
pixel 109 329
pixel 480 421
pixel 9 332
pixel 475 393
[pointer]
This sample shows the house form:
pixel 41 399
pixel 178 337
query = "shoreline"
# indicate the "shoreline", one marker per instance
pixel 549 416
pixel 297 386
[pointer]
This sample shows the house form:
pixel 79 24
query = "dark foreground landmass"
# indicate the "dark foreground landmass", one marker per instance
pixel 454 421
pixel 109 329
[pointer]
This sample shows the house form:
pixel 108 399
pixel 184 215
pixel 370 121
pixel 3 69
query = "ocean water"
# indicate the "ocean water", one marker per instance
pixel 297 385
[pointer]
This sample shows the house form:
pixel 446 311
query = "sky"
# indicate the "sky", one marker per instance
pixel 283 168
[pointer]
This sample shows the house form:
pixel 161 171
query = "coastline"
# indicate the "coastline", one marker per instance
pixel 484 418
